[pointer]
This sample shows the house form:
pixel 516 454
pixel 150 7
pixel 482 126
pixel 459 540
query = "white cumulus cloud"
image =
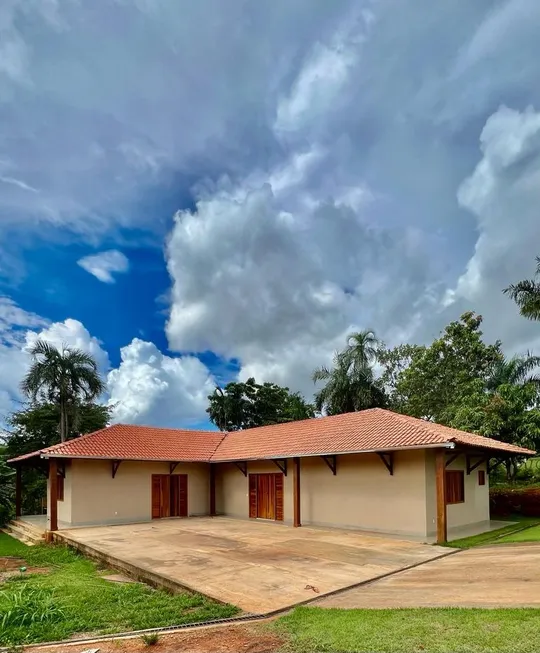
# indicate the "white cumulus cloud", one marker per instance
pixel 149 387
pixel 105 264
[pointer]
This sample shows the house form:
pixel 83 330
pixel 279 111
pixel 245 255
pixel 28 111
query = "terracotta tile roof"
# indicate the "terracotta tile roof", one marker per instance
pixel 368 430
pixel 128 442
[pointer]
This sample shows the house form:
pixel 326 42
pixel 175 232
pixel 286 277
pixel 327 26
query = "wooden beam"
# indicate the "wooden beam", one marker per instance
pixel 297 521
pixel 242 466
pixel 440 484
pixel 212 490
pixel 53 494
pixel 388 460
pixel 18 492
pixel 495 463
pixel 331 461
pixel 115 466
pixel 282 465
pixel 450 460
pixel 471 468
pixel 172 467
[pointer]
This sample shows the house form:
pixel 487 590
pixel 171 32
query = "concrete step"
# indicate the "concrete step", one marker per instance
pixel 17 535
pixel 25 532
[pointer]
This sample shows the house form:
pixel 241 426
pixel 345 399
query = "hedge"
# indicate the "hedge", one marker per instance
pixel 520 501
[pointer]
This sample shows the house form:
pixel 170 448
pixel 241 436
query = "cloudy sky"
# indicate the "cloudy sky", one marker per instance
pixel 201 191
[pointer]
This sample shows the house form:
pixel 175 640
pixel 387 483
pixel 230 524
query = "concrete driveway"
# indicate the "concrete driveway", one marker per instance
pixel 258 566
pixel 500 576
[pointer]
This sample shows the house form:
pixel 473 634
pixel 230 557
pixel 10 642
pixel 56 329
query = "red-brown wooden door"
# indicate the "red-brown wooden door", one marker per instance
pixel 266 496
pixel 169 495
pixel 179 507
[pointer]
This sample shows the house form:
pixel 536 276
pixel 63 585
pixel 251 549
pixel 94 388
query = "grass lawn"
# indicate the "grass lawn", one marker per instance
pixel 514 532
pixel 73 598
pixel 528 535
pixel 411 630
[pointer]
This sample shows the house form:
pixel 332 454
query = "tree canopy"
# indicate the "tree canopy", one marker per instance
pixel 351 385
pixel 431 382
pixel 244 405
pixel 65 377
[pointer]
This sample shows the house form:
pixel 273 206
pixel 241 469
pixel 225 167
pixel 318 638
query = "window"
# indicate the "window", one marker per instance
pixel 60 487
pixel 455 486
pixel 481 477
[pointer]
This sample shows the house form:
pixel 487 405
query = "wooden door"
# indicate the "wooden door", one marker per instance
pixel 179 507
pixel 156 496
pixel 169 496
pixel 266 496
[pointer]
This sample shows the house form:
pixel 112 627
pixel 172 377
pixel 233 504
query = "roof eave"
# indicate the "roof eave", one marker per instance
pixel 125 458
pixel 437 445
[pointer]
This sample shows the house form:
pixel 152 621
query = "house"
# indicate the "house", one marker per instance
pixel 374 470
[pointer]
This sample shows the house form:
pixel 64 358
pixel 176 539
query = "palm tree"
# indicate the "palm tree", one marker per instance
pixel 361 351
pixel 514 371
pixel 351 385
pixel 526 294
pixel 64 377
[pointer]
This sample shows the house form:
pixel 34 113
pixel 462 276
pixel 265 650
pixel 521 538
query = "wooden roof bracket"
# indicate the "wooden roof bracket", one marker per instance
pixel 172 467
pixel 62 468
pixel 115 466
pixel 450 460
pixel 282 465
pixel 471 467
pixel 331 461
pixel 388 460
pixel 242 466
pixel 495 463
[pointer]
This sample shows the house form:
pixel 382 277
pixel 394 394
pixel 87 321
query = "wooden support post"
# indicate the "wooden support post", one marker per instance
pixel 296 493
pixel 53 495
pixel 18 492
pixel 440 473
pixel 212 490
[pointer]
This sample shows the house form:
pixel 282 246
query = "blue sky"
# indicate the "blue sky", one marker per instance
pixel 197 192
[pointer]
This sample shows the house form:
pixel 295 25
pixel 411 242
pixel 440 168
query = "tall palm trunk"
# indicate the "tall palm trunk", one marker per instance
pixel 63 421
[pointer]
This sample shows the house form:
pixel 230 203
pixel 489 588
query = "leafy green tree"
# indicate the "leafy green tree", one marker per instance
pixel 526 294
pixel 437 378
pixel 244 405
pixel 510 413
pixel 6 492
pixel 350 385
pixel 65 377
pixel 394 362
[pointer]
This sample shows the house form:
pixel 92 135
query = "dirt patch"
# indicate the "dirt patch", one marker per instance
pixel 9 563
pixel 226 639
pixel 11 567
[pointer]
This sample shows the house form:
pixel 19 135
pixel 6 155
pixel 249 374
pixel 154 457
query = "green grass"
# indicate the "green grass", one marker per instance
pixel 410 631
pixel 10 546
pixel 528 535
pixel 73 598
pixel 505 534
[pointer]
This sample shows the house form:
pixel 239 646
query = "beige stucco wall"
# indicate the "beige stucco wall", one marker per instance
pixel 361 495
pixel 475 508
pixel 95 497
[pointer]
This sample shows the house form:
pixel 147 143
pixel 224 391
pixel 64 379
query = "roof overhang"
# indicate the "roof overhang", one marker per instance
pixel 281 456
pixel 127 459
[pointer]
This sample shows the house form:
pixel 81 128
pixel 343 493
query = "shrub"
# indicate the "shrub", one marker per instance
pixel 520 501
pixel 150 639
